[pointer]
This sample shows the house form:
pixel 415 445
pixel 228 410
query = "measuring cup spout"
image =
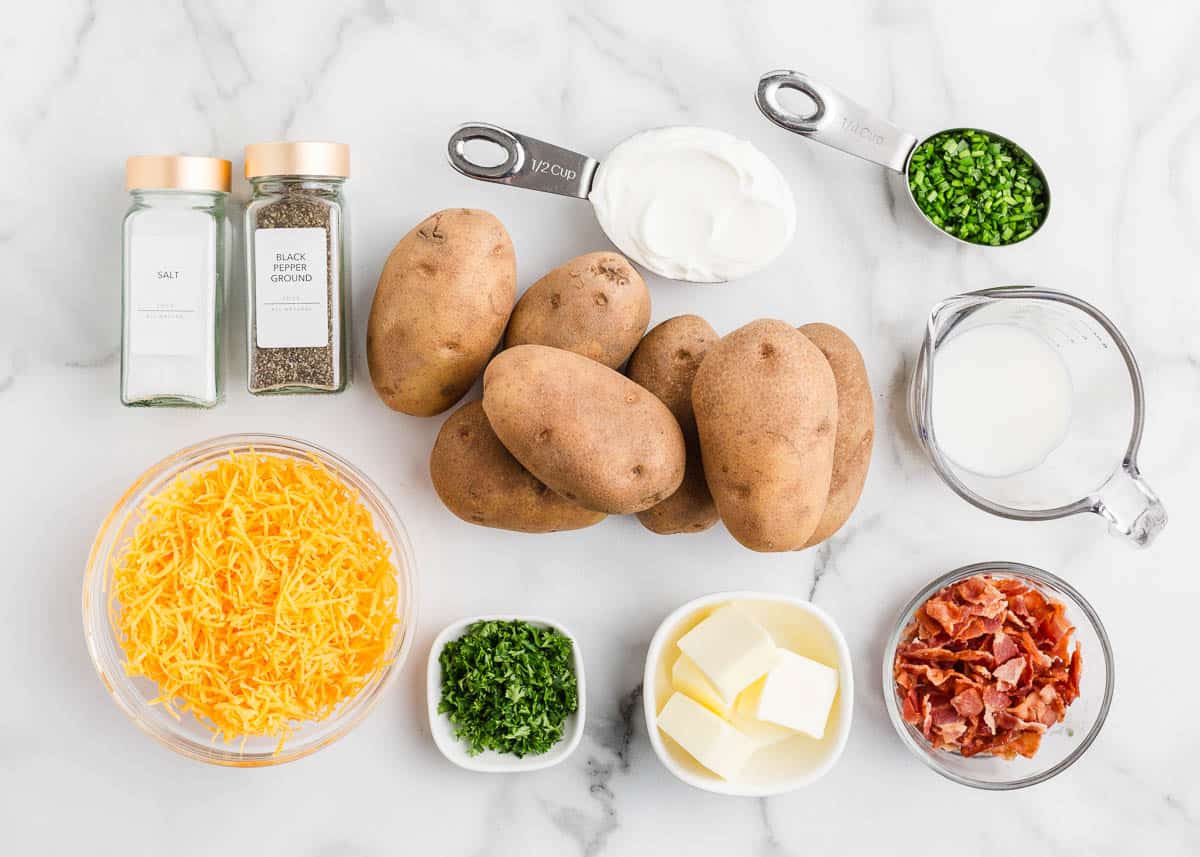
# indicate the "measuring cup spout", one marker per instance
pixel 1130 506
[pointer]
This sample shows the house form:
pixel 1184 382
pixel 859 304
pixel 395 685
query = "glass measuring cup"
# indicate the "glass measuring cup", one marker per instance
pixel 845 125
pixel 1095 467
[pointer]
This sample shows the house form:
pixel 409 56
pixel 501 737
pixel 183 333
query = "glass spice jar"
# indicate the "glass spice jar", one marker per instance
pixel 174 267
pixel 297 270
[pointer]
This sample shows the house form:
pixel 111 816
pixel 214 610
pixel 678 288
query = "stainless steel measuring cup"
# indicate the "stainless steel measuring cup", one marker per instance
pixel 532 164
pixel 710 223
pixel 1095 468
pixel 844 124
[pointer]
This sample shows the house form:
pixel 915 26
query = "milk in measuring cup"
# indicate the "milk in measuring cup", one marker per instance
pixel 1001 399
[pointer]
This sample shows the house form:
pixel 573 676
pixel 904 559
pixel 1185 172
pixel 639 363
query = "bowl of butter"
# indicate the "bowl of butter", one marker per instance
pixel 748 693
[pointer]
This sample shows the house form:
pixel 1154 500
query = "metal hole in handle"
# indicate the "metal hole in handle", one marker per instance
pixel 767 97
pixel 513 150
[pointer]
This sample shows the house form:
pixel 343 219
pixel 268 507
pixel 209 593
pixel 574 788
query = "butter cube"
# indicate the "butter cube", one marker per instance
pixel 731 649
pixel 710 740
pixel 797 693
pixel 687 678
pixel 744 717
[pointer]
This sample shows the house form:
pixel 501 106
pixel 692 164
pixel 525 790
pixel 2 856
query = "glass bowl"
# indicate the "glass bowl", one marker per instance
pixel 1065 742
pixel 188 735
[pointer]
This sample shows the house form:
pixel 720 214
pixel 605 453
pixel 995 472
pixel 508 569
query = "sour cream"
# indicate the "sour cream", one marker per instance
pixel 694 203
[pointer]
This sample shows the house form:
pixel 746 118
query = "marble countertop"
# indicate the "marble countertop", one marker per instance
pixel 1106 95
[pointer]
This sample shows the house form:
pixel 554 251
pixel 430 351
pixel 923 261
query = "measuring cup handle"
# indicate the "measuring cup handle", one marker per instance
pixel 1131 507
pixel 528 162
pixel 835 121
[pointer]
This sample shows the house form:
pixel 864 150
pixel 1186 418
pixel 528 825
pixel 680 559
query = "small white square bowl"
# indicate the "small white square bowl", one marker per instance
pixel 800 761
pixel 489 761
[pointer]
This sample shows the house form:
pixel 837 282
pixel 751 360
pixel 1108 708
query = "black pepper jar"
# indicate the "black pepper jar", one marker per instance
pixel 297 268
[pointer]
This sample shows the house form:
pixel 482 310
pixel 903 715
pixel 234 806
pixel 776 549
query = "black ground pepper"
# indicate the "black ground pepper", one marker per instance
pixel 281 368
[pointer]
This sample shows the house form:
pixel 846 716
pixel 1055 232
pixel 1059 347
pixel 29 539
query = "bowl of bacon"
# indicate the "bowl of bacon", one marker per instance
pixel 998 675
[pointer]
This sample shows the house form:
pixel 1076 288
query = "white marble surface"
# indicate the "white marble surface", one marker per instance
pixel 1108 95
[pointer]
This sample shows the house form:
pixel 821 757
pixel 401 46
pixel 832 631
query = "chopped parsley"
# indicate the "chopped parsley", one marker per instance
pixel 508 687
pixel 978 187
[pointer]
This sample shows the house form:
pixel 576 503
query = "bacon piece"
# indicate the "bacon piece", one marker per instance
pixel 1054 625
pixel 1027 604
pixel 1073 678
pixel 1003 647
pixel 945 613
pixel 983 598
pixel 1010 586
pixel 936 676
pixel 922 627
pixel 942 654
pixel 977 626
pixel 1038 659
pixel 1023 743
pixel 951 732
pixel 968 703
pixel 993 701
pixel 1056 702
pixel 978 590
pixel 1008 674
pixel 1011 618
pixel 1057 674
pixel 944 715
pixel 1006 721
pixel 1031 708
pixel 927 627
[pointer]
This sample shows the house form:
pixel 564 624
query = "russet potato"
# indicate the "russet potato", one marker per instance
pixel 766 411
pixel 596 305
pixel 479 481
pixel 440 309
pixel 855 426
pixel 665 363
pixel 585 430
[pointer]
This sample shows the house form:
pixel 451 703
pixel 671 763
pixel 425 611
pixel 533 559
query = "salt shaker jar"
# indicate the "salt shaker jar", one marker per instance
pixel 297 268
pixel 173 280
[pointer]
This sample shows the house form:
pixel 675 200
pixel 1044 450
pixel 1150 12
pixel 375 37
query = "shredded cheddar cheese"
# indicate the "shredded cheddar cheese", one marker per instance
pixel 257 594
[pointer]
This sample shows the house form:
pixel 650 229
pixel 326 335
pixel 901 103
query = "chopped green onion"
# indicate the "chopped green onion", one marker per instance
pixel 977 188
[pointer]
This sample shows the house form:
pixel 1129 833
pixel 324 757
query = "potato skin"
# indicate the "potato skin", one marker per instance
pixel 585 430
pixel 443 299
pixel 855 426
pixel 479 481
pixel 690 509
pixel 665 363
pixel 596 305
pixel 766 411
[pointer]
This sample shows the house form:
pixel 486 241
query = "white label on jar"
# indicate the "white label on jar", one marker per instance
pixel 291 288
pixel 170 275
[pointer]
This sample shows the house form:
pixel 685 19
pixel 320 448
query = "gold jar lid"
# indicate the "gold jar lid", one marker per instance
pixel 177 172
pixel 297 159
